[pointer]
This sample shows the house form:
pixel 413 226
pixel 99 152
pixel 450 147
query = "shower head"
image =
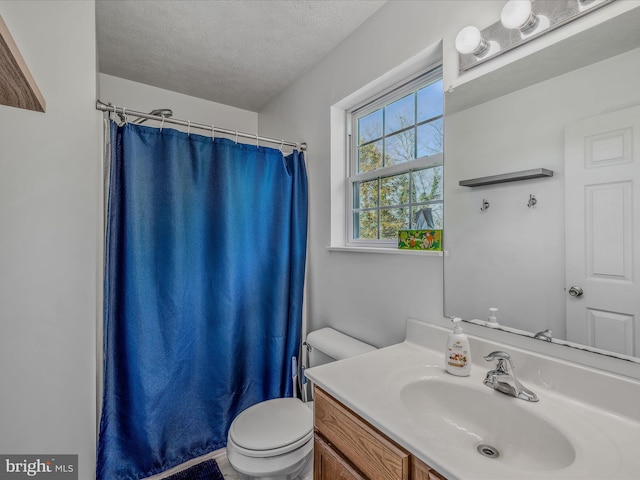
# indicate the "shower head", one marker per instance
pixel 161 112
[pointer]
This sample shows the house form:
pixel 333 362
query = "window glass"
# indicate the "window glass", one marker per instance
pixel 430 138
pixel 430 101
pixel 370 157
pixel 400 114
pixel 366 225
pixel 427 185
pixel 366 194
pixel 400 148
pixel 427 218
pixel 394 190
pixel 370 127
pixel 392 220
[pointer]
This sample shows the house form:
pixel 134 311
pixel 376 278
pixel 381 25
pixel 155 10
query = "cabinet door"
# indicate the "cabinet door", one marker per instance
pixel 422 471
pixel 329 465
pixel 377 457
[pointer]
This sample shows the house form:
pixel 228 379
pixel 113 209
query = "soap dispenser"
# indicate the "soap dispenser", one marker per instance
pixel 492 322
pixel 457 355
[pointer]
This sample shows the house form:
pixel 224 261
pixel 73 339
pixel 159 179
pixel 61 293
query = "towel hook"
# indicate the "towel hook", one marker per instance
pixel 485 205
pixel 532 200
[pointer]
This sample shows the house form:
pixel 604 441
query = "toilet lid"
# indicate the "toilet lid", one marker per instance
pixel 272 425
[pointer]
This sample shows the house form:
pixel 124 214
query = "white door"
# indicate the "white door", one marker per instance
pixel 602 236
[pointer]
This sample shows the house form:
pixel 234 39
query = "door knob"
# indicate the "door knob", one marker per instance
pixel 576 291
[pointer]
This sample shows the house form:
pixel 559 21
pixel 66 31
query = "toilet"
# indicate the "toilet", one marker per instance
pixel 273 440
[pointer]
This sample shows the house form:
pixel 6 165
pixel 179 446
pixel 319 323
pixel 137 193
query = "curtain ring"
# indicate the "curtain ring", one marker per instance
pixel 257 141
pixel 213 132
pixel 236 137
pixel 124 114
pixel 281 145
pixel 189 129
pixel 162 124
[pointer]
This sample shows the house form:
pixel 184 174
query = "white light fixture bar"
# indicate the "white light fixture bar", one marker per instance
pixel 538 18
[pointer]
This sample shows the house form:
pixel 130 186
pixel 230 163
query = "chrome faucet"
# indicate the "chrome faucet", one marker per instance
pixel 503 378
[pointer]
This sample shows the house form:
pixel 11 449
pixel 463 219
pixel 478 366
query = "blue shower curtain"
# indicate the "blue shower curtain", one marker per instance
pixel 205 257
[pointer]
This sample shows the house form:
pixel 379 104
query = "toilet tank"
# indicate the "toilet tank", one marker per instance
pixel 328 345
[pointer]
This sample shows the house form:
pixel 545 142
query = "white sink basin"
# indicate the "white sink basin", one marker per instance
pixel 404 391
pixel 488 423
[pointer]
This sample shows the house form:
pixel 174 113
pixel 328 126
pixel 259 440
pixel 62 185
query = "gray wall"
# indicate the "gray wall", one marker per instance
pixel 371 295
pixel 144 98
pixel 368 295
pixel 49 186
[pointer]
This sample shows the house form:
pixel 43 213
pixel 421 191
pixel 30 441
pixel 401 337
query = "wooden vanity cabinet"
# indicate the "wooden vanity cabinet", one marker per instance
pixel 329 465
pixel 422 471
pixel 349 448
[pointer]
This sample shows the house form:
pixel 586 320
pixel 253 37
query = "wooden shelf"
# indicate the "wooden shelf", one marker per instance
pixel 17 86
pixel 507 177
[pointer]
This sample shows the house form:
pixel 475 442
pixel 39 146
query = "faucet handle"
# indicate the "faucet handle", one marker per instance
pixel 498 355
pixel 503 362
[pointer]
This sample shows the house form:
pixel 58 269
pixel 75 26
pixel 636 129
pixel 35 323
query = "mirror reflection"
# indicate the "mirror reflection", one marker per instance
pixel 561 253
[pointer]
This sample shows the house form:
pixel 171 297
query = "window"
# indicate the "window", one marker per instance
pixel 395 167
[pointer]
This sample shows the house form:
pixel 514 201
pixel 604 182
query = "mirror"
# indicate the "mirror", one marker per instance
pixel 520 246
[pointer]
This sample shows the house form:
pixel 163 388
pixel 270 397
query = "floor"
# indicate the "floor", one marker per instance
pixel 220 456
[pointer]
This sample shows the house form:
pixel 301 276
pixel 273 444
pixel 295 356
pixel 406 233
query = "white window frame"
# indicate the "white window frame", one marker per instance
pixel 361 110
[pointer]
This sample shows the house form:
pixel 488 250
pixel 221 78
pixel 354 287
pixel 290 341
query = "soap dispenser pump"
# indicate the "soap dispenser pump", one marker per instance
pixel 457 355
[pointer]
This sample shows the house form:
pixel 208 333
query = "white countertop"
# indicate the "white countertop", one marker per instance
pixel 606 443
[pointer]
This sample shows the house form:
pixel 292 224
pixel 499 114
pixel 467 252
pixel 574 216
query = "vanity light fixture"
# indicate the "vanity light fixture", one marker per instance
pixel 520 22
pixel 469 41
pixel 587 4
pixel 518 14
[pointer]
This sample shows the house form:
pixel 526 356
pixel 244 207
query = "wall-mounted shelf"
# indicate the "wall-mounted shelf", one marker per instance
pixel 17 86
pixel 507 177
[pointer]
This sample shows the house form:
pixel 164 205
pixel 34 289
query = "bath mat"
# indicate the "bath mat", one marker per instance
pixel 207 470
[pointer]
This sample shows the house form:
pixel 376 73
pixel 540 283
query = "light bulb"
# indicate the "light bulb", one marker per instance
pixel 517 14
pixel 469 40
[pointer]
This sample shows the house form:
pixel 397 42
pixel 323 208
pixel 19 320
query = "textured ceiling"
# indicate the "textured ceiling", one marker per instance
pixel 236 52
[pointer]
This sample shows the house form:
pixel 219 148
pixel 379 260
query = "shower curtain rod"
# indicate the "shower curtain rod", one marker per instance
pixel 104 107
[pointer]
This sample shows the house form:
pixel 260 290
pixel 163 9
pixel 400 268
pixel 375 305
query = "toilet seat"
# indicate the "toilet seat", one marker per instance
pixel 271 428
